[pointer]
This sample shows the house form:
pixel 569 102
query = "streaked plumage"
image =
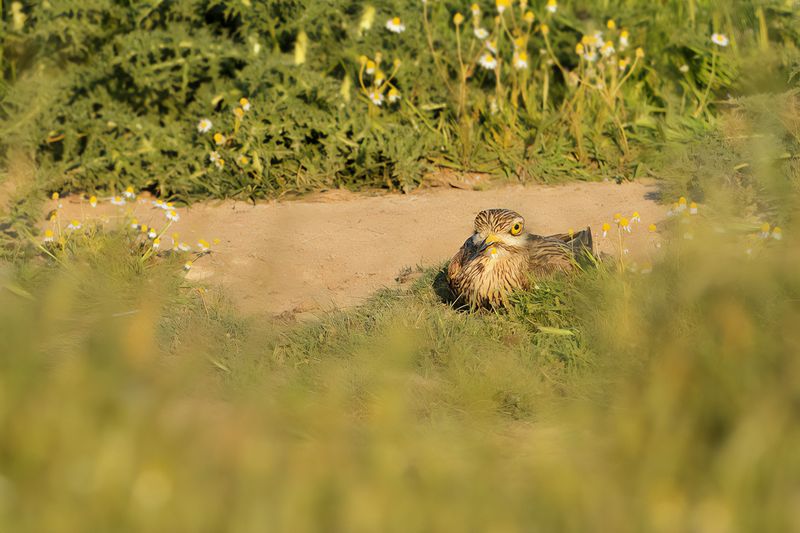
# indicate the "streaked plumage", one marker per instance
pixel 500 256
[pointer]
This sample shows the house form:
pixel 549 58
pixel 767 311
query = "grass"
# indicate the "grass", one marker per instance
pixel 112 96
pixel 615 400
pixel 132 401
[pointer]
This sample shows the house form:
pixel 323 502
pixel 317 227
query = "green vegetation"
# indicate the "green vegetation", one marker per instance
pixel 667 401
pixel 110 94
pixel 623 399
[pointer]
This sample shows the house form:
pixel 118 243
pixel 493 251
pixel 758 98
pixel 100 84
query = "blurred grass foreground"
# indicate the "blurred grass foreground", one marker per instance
pixel 665 401
pixel 624 399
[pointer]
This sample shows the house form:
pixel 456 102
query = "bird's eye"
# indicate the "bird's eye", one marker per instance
pixel 516 229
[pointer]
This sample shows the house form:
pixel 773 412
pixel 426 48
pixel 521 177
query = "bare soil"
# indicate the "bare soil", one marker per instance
pixel 335 249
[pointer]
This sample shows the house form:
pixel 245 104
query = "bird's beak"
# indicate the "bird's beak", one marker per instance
pixel 491 239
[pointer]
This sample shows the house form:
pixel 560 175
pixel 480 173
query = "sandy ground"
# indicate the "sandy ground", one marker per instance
pixel 335 249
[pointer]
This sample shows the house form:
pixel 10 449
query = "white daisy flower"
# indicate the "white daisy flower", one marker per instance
pixel 93 201
pixel 520 60
pixel 492 46
pixel 481 33
pixel 187 266
pixel 204 126
pixel 156 244
pixel 203 245
pixel 214 156
pixel 129 193
pixel 777 233
pixel 488 61
pixel 590 56
pixel 173 216
pixel 245 103
pixel 74 225
pixel 183 247
pixel 395 26
pixel 117 200
pixel 684 68
pixel 623 39
pixel 152 234
pixel 394 95
pixel 720 39
pixel 552 6
pixel 48 235
pixel 376 97
pixel 607 49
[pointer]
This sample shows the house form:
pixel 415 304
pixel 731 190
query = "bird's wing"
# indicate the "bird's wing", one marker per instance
pixel 548 254
pixel 579 243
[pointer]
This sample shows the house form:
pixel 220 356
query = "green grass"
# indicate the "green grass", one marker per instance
pixel 110 95
pixel 131 401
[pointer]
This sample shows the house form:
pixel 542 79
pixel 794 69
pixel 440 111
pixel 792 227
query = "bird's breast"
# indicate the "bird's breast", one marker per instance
pixel 488 277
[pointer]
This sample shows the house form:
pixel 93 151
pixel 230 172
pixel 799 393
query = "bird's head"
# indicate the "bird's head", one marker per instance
pixel 501 227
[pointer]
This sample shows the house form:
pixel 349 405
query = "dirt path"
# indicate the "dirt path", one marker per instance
pixel 335 249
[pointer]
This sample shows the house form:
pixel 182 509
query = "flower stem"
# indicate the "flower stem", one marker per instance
pixel 704 100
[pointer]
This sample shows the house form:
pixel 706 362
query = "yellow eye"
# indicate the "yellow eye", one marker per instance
pixel 516 229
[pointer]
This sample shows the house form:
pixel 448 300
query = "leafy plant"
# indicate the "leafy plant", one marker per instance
pixel 107 94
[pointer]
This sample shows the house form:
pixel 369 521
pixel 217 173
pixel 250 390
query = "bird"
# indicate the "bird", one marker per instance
pixel 500 256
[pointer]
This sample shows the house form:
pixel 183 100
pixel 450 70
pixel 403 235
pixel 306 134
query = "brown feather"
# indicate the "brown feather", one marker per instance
pixel 481 280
